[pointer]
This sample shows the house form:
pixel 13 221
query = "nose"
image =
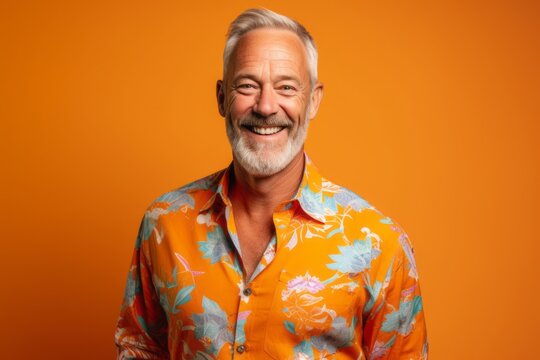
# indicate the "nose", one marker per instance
pixel 266 104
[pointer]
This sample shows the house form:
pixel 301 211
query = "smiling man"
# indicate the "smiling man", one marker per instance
pixel 266 259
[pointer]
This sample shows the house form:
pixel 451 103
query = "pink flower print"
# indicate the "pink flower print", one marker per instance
pixel 308 283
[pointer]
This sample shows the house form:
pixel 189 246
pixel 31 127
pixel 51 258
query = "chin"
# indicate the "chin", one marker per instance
pixel 265 164
pixel 261 160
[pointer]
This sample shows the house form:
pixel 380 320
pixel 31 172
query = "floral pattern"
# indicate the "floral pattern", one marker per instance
pixel 337 280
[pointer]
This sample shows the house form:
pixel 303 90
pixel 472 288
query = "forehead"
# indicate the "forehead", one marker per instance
pixel 282 48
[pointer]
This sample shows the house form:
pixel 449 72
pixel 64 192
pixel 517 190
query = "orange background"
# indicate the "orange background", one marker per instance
pixel 431 112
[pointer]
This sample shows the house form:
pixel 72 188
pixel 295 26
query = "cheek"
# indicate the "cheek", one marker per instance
pixel 295 109
pixel 239 104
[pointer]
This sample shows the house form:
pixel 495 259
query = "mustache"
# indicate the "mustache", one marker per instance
pixel 271 121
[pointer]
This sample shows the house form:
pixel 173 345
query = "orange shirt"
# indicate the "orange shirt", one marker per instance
pixel 337 281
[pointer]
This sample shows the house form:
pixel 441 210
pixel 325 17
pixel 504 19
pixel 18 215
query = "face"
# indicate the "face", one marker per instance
pixel 267 100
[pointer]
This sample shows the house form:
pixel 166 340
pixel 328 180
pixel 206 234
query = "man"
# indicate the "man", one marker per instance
pixel 266 259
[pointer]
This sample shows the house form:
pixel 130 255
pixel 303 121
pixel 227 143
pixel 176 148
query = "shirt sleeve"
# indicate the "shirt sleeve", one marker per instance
pixel 141 331
pixel 394 326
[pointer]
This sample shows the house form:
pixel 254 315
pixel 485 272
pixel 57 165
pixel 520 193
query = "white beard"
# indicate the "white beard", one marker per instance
pixel 264 159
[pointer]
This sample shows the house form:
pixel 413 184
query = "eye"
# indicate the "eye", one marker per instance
pixel 286 89
pixel 246 88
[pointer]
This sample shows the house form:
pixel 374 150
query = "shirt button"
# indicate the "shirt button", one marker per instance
pixel 247 291
pixel 240 348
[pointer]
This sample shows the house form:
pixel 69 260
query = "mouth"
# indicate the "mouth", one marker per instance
pixel 265 130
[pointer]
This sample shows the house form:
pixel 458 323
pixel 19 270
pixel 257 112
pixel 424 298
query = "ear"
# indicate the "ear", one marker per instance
pixel 316 97
pixel 220 96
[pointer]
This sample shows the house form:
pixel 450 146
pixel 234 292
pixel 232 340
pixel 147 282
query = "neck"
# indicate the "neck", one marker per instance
pixel 261 195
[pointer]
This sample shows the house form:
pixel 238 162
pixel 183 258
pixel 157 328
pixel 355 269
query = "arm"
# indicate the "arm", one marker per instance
pixel 394 326
pixel 141 331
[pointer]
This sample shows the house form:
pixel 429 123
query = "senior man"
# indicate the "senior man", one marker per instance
pixel 267 259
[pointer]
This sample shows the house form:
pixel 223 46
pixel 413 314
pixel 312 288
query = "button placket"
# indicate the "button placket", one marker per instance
pixel 244 310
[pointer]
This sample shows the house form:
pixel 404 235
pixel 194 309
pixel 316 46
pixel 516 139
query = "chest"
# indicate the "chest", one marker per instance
pixel 297 290
pixel 253 236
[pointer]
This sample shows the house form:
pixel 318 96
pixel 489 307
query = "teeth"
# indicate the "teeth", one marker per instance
pixel 266 131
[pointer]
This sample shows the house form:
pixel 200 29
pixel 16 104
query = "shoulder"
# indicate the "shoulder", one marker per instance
pixel 185 195
pixel 189 197
pixel 362 221
pixel 336 195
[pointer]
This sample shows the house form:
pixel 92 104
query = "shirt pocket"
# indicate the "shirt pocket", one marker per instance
pixel 310 311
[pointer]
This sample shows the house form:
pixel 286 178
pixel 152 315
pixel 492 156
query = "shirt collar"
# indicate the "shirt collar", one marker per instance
pixel 309 194
pixel 221 189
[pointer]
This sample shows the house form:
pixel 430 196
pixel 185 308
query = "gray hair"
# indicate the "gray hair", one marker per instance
pixel 263 18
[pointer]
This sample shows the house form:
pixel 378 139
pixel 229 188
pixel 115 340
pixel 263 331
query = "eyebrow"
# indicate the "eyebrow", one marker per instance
pixel 244 76
pixel 254 78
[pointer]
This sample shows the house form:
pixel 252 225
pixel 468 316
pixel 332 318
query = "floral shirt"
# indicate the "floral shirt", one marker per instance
pixel 337 281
